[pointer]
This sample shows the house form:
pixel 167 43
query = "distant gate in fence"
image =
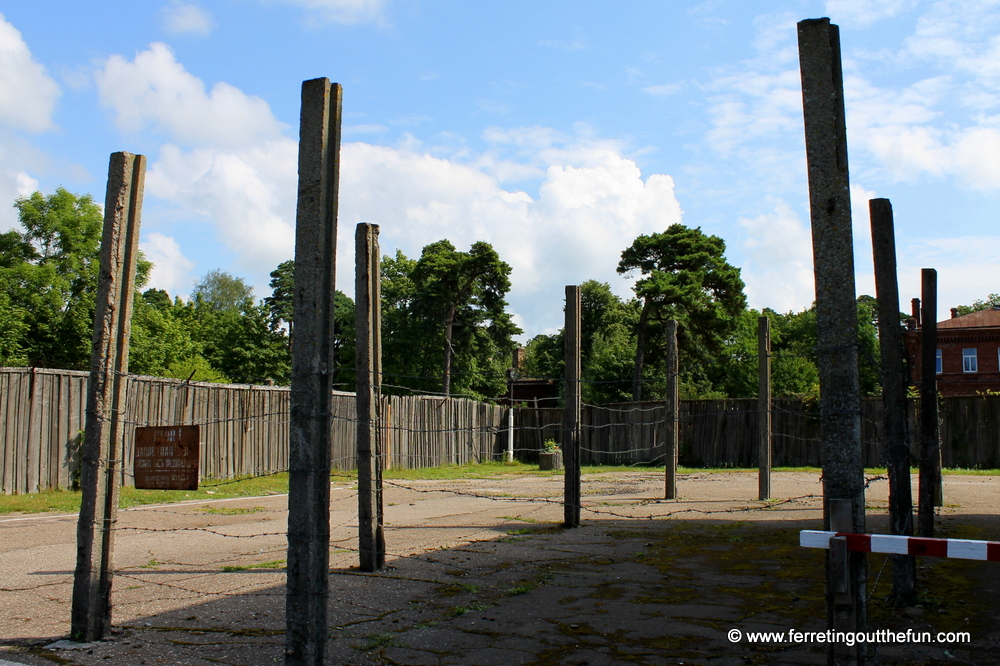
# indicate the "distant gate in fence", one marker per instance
pixel 245 429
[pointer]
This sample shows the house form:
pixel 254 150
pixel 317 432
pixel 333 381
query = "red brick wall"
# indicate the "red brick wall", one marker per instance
pixel 953 380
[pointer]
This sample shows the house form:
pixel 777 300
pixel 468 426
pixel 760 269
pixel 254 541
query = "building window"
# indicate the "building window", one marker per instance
pixel 938 365
pixel 969 362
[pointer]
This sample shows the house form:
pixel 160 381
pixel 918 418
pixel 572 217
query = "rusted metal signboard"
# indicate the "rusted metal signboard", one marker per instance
pixel 166 457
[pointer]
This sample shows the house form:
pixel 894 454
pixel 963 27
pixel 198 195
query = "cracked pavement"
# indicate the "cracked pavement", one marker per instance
pixel 480 572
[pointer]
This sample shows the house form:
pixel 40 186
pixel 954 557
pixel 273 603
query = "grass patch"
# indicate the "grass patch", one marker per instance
pixel 523 588
pixel 376 641
pixel 484 470
pixel 230 510
pixel 459 611
pixel 273 564
pixel 68 501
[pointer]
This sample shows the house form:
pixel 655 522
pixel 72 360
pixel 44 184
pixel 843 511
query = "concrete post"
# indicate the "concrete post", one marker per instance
pixel 840 583
pixel 104 431
pixel 368 317
pixel 836 310
pixel 894 385
pixel 312 374
pixel 673 405
pixel 511 375
pixel 930 446
pixel 763 408
pixel 571 409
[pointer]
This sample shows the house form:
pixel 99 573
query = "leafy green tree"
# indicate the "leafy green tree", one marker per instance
pixel 685 276
pixel 444 315
pixel 48 271
pixel 160 339
pixel 607 350
pixel 544 356
pixel 793 347
pixel 241 345
pixel 869 363
pixel 281 303
pixel 13 328
pixel 280 307
pixel 793 357
pixel 409 344
pixel 195 368
pixel 991 301
pixel 221 291
pixel 463 294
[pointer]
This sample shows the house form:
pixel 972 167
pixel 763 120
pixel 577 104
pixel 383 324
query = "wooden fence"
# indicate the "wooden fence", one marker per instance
pixel 722 433
pixel 244 429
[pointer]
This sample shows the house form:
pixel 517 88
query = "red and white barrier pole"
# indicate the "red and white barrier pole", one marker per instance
pixel 963 549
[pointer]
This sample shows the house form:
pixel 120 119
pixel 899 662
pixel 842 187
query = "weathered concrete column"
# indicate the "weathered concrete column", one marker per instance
pixel 368 359
pixel 930 444
pixel 104 431
pixel 571 409
pixel 763 408
pixel 673 407
pixel 894 386
pixel 313 368
pixel 836 309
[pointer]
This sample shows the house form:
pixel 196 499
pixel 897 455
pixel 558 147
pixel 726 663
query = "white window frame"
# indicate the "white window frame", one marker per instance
pixel 970 360
pixel 939 362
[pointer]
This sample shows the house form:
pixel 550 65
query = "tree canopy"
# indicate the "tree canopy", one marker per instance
pixel 445 325
pixel 445 314
pixel 221 291
pixel 991 301
pixel 48 278
pixel 684 276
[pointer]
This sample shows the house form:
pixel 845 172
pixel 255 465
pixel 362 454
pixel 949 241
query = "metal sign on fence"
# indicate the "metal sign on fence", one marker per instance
pixel 166 457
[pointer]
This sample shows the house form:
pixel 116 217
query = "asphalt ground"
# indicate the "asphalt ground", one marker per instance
pixel 481 572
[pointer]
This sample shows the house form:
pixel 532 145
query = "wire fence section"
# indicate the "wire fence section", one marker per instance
pixel 244 429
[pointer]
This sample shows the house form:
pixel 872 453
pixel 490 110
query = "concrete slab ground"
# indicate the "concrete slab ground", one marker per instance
pixel 480 572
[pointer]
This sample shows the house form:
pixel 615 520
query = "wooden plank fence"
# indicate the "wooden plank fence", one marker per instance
pixel 722 433
pixel 245 429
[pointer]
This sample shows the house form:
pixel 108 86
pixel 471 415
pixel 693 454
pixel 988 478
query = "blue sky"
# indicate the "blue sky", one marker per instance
pixel 557 131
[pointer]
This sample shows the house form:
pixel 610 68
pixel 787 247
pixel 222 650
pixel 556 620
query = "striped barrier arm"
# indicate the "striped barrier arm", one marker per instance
pixel 963 549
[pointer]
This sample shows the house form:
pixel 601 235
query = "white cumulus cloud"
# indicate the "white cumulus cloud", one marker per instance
pixel 185 18
pixel 154 90
pixel 27 93
pixel 588 201
pixel 28 97
pixel 171 269
pixel 779 271
pixel 591 203
pixel 246 195
pixel 226 161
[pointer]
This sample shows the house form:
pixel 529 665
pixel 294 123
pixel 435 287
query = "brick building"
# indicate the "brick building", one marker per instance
pixel 968 351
